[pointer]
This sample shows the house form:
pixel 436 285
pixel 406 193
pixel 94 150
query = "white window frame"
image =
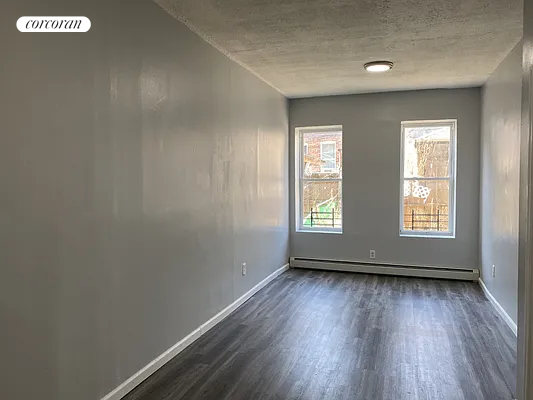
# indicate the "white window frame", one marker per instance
pixel 299 178
pixel 334 169
pixel 452 178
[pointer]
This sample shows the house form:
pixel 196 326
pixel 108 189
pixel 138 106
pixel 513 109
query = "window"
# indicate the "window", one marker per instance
pixel 319 179
pixel 328 155
pixel 428 154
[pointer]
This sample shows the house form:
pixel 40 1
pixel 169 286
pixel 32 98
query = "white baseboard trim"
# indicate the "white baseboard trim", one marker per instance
pixel 508 320
pixel 161 360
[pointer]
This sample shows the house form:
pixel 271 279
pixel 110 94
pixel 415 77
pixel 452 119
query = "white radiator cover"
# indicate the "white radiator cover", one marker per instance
pixel 465 274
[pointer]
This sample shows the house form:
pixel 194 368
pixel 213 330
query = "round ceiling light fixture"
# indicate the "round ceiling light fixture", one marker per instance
pixel 378 66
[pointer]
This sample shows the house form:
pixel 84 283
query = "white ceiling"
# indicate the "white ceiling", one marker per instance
pixel 318 47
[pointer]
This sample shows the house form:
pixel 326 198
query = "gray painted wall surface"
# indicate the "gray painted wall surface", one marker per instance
pixel 525 269
pixel 500 180
pixel 371 157
pixel 139 167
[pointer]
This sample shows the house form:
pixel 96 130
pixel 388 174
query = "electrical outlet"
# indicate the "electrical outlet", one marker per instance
pixel 243 269
pixel 494 271
pixel 372 254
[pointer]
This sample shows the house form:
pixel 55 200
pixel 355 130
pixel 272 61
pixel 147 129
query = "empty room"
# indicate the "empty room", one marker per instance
pixel 282 199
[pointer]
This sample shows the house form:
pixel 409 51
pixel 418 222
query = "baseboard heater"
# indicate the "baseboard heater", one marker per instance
pixel 465 274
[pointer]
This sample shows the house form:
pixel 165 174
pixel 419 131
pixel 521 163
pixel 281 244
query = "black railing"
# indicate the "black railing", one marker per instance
pixel 411 221
pixel 322 218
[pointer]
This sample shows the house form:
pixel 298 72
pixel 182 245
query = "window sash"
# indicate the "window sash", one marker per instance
pixel 452 157
pixel 451 211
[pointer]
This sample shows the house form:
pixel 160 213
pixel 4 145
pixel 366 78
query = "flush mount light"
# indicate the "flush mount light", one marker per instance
pixel 378 66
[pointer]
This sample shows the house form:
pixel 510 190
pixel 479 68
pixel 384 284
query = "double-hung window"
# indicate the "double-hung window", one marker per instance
pixel 319 179
pixel 428 171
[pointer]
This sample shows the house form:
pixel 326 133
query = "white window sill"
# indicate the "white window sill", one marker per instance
pixel 427 235
pixel 338 232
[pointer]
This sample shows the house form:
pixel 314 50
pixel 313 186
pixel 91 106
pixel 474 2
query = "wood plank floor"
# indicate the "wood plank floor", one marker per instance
pixel 327 335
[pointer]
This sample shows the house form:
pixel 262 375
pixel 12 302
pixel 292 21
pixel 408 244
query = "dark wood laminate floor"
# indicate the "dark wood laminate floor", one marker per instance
pixel 326 335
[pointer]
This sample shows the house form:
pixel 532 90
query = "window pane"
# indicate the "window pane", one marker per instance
pixel 328 156
pixel 322 154
pixel 426 205
pixel 322 204
pixel 426 151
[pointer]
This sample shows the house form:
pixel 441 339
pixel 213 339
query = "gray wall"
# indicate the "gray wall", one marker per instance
pixel 139 167
pixel 525 276
pixel 371 152
pixel 500 179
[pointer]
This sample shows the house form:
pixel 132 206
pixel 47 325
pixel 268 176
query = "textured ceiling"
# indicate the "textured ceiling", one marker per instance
pixel 318 47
